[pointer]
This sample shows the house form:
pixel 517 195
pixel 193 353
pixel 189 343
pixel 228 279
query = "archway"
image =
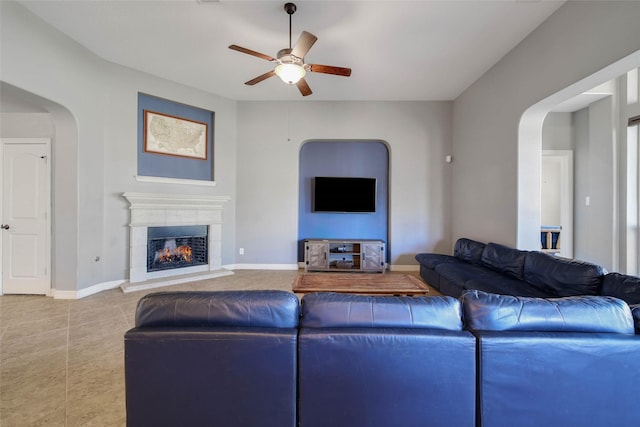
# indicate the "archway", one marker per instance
pixel 530 148
pixel 64 180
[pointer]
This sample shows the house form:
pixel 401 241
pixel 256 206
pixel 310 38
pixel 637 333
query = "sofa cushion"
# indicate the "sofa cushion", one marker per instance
pixel 490 312
pixel 469 250
pixel 561 276
pixel 505 286
pixel 622 286
pixel 431 260
pixel 459 273
pixel 272 309
pixel 335 310
pixel 504 259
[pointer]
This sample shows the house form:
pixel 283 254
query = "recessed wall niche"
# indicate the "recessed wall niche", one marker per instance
pixel 343 158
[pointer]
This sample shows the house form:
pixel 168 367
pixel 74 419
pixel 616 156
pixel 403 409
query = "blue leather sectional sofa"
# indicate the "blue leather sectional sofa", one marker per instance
pixel 260 358
pixel 499 269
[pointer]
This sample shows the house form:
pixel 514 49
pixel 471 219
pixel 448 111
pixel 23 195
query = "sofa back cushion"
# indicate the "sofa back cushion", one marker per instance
pixel 469 250
pixel 622 286
pixel 268 309
pixel 504 259
pixel 491 312
pixel 563 277
pixel 334 310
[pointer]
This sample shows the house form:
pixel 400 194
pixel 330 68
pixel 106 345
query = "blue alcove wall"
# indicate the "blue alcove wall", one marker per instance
pixel 365 159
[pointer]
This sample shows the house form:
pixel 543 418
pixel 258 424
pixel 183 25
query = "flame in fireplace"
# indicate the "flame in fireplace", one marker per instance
pixel 173 253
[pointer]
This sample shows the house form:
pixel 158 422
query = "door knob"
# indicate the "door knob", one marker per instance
pixel 4 226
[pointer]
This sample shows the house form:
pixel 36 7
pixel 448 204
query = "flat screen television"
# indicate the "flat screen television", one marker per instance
pixel 344 194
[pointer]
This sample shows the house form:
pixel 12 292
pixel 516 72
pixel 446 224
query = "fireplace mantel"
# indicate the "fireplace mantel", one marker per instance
pixel 138 200
pixel 157 210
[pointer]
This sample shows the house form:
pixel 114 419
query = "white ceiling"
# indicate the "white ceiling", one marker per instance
pixel 398 50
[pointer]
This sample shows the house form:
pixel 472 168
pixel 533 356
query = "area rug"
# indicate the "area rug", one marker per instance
pixel 360 283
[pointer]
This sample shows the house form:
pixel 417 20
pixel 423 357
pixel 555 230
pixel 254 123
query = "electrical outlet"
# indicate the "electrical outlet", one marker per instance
pixel 241 251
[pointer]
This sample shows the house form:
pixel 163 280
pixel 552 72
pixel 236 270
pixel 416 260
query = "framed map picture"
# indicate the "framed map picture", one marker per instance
pixel 175 136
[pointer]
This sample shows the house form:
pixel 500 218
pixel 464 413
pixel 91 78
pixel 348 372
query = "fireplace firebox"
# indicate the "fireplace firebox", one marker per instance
pixel 176 247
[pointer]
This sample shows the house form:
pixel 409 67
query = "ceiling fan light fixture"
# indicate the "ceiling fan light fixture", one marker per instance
pixel 290 65
pixel 290 73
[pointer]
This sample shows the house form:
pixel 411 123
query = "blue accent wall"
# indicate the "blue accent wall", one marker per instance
pixel 153 164
pixel 362 159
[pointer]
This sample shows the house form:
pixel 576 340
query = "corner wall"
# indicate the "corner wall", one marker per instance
pixel 97 158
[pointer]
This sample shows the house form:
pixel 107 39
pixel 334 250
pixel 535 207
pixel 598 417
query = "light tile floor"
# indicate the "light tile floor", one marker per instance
pixel 62 361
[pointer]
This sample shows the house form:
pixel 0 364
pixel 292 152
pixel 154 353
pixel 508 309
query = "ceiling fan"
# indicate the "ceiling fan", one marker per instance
pixel 290 65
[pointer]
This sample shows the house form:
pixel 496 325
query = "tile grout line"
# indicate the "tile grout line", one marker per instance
pixel 125 317
pixel 66 376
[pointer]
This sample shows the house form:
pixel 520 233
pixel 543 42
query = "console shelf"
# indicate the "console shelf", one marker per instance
pixel 344 255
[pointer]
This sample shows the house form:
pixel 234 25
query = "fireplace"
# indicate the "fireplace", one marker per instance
pixel 176 247
pixel 174 238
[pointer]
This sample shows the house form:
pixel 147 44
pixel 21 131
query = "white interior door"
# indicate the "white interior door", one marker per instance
pixel 25 216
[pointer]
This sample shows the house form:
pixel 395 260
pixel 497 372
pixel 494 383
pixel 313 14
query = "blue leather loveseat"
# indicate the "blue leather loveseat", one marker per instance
pixel 499 269
pixel 259 358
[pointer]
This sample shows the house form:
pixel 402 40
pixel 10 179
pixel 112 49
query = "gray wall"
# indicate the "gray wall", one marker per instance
pixel 594 178
pixel 497 166
pixel 557 132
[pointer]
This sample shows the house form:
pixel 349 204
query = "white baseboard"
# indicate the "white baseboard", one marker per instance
pixel 85 292
pixel 262 267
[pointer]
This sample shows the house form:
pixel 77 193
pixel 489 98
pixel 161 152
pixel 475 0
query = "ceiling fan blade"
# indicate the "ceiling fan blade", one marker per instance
pixel 303 44
pixel 303 87
pixel 261 78
pixel 328 69
pixel 252 52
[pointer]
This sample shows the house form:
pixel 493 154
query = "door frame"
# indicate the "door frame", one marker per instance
pixel 46 141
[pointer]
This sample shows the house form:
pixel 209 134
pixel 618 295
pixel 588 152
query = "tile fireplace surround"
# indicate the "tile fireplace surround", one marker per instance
pixel 159 210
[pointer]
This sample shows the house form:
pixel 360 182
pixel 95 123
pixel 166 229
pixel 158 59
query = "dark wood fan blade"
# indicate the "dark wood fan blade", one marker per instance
pixel 328 69
pixel 261 78
pixel 252 52
pixel 303 44
pixel 304 88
